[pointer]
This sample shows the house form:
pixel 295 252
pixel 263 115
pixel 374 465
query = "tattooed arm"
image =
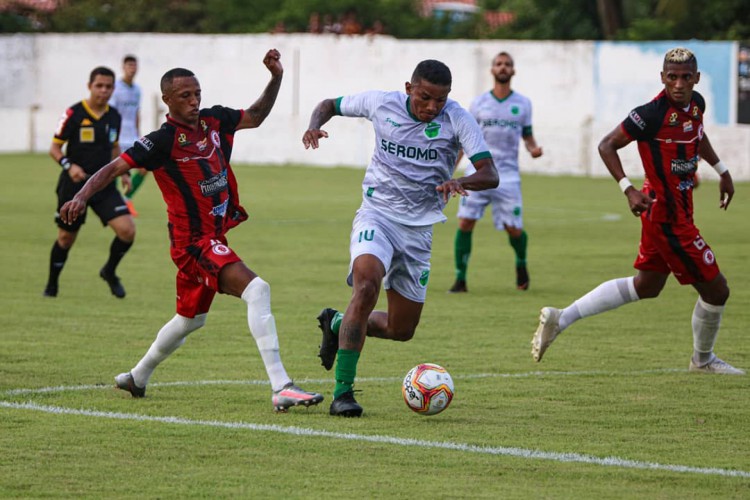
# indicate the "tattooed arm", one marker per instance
pixel 323 112
pixel 259 110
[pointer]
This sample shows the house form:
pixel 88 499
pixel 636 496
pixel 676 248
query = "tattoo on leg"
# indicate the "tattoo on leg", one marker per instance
pixel 350 335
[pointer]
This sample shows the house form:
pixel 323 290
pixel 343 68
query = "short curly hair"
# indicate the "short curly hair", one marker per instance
pixel 680 55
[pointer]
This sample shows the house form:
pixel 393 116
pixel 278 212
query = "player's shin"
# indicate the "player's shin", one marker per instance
pixel 706 322
pixel 171 336
pixel 262 325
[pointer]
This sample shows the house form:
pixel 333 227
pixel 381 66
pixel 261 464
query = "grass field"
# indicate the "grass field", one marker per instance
pixel 611 412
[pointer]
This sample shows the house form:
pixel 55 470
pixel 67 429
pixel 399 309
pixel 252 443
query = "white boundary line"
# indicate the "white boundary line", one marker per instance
pixel 67 388
pixel 301 431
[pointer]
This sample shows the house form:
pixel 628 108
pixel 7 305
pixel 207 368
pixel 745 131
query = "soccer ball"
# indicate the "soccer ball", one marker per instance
pixel 427 389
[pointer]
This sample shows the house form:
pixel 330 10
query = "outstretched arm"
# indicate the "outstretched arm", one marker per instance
pixel 726 186
pixel 324 111
pixel 617 139
pixel 71 210
pixel 259 110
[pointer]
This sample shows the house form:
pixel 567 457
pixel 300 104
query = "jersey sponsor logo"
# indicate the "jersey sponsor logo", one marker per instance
pixel 685 185
pixel 700 132
pixel 388 120
pixel 182 140
pixel 411 152
pixel 687 126
pixel 202 144
pixel 696 111
pixel 424 277
pixel 636 118
pixel 220 210
pixel 214 185
pixel 86 122
pixel 215 138
pixel 146 143
pixel 494 122
pixel 432 130
pixel 112 136
pixel 370 190
pixel 86 134
pixel 366 235
pixel 684 167
pixel 673 120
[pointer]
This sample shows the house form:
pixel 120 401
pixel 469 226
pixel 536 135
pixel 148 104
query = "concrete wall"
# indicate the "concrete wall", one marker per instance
pixel 580 90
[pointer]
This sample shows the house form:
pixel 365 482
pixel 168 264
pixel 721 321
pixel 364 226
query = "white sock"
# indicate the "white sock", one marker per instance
pixel 706 322
pixel 170 337
pixel 262 325
pixel 607 296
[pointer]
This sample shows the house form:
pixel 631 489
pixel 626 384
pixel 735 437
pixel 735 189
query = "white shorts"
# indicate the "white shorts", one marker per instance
pixel 404 251
pixel 507 205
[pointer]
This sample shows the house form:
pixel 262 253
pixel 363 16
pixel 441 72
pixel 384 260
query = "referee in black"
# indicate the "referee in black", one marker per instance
pixel 91 130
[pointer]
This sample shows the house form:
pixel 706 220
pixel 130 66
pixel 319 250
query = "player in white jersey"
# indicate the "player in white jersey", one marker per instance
pixel 418 135
pixel 505 118
pixel 127 99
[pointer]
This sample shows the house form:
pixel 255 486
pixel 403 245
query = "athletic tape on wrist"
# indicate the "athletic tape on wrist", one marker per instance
pixel 624 184
pixel 720 167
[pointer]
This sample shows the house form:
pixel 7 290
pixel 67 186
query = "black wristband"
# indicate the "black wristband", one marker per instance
pixel 64 163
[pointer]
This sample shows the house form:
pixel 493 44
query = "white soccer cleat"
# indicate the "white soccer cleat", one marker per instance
pixel 716 365
pixel 548 329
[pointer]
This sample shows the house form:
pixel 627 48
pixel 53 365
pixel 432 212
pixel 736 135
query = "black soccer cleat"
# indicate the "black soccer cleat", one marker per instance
pixel 522 278
pixel 346 406
pixel 125 382
pixel 458 287
pixel 50 291
pixel 329 344
pixel 114 284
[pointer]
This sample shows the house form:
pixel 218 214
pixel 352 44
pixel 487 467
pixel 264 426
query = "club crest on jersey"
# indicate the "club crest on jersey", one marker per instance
pixel 215 138
pixel 708 257
pixel 432 130
pixel 424 277
pixel 220 249
pixel 514 110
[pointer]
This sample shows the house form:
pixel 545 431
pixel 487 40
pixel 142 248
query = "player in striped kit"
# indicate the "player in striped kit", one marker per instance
pixel 671 140
pixel 505 118
pixel 405 188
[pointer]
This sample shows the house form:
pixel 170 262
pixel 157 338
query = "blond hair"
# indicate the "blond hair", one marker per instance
pixel 680 55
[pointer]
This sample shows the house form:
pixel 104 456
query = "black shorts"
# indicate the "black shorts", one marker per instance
pixel 107 203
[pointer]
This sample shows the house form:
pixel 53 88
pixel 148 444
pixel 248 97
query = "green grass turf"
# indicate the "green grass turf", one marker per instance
pixel 614 385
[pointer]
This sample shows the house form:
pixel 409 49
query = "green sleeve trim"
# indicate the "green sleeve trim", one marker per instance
pixel 526 132
pixel 480 156
pixel 337 105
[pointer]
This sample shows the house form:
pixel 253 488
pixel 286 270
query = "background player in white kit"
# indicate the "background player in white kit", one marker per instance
pixel 505 118
pixel 127 99
pixel 406 186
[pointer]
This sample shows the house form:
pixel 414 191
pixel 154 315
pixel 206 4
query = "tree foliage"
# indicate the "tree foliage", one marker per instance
pixel 534 19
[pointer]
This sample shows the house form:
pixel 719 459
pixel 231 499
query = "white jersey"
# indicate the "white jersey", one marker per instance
pixel 127 99
pixel 411 157
pixel 504 122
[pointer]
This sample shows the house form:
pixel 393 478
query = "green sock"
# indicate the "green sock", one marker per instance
pixel 135 180
pixel 336 322
pixel 462 252
pixel 346 371
pixel 519 245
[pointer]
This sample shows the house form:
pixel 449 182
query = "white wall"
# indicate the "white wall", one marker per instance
pixel 576 88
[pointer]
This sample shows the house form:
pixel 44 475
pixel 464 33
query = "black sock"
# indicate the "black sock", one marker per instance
pixel 117 251
pixel 57 259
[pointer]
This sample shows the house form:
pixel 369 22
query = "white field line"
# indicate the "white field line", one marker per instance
pixel 67 388
pixel 443 445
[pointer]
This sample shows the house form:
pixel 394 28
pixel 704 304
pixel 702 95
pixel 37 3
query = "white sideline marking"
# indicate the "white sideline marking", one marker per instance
pixel 66 388
pixel 301 431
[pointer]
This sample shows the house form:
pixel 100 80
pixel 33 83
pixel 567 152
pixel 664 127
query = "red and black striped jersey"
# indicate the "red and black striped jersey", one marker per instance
pixel 90 138
pixel 668 141
pixel 191 167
